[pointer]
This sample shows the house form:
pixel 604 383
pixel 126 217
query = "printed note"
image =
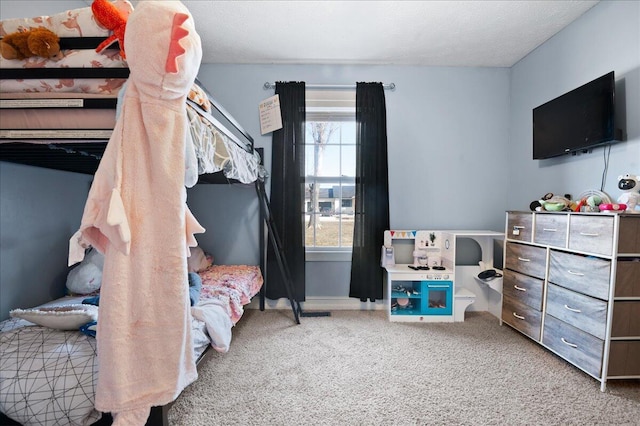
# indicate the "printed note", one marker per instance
pixel 270 116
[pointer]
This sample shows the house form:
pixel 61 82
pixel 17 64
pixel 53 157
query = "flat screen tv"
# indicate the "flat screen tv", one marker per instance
pixel 576 121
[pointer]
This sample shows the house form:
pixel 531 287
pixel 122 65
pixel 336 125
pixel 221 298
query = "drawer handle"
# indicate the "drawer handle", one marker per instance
pixel 573 345
pixel 580 274
pixel 518 316
pixel 519 288
pixel 550 229
pixel 589 234
pixel 572 309
pixel 522 259
pixel 518 227
pixel 437 286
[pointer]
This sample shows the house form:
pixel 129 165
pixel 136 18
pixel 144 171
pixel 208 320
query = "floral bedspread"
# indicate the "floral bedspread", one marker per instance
pixel 232 286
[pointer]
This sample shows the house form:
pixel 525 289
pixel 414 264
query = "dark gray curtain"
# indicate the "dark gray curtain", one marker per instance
pixel 287 190
pixel 372 192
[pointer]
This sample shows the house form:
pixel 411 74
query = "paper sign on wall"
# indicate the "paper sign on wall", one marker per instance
pixel 270 116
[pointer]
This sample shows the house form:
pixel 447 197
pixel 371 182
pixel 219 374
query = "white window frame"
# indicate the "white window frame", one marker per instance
pixel 330 106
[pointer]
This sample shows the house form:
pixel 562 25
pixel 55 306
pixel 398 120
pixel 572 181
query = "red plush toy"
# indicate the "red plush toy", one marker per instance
pixel 112 18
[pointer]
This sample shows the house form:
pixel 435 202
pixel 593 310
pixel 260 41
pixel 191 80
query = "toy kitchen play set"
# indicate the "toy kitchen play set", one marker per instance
pixel 423 289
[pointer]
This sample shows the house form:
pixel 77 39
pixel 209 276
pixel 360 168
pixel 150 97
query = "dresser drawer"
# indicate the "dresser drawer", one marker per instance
pixel 522 317
pixel 624 358
pixel 628 278
pixel 580 348
pixel 591 234
pixel 629 235
pixel 551 229
pixel 587 275
pixel 523 288
pixel 519 226
pixel 583 312
pixel 626 318
pixel 526 259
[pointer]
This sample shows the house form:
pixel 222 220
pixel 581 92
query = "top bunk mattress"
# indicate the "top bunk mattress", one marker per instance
pixel 68 107
pixel 28 111
pixel 68 25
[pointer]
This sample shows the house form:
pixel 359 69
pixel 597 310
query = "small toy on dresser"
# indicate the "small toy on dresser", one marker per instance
pixel 630 186
pixel 553 203
pixel 593 201
pixel 34 42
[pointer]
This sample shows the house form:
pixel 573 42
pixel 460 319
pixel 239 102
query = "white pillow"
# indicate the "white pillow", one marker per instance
pixel 69 317
pixel 86 278
pixel 197 261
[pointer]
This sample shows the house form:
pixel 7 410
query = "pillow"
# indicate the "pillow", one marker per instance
pixel 69 317
pixel 86 277
pixel 198 260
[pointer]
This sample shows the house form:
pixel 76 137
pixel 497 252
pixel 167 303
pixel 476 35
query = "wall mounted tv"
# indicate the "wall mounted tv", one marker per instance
pixel 576 121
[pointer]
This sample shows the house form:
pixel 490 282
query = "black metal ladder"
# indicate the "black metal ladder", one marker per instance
pixel 274 238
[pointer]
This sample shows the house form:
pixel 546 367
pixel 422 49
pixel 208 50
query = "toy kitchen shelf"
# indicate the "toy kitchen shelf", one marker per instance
pixel 432 288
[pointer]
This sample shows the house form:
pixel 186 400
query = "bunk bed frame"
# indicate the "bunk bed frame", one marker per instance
pixel 80 151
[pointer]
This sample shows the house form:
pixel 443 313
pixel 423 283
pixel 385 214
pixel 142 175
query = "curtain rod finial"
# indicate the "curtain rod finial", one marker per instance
pixel 268 86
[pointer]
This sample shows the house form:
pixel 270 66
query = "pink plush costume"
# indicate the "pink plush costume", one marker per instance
pixel 136 215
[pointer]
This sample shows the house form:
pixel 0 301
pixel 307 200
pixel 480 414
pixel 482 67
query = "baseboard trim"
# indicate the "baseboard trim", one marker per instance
pixel 322 304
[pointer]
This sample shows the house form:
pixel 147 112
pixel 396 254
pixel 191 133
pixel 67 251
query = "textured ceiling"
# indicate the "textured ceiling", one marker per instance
pixel 436 33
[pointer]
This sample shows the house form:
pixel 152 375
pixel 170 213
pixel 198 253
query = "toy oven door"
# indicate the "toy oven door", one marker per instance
pixel 439 297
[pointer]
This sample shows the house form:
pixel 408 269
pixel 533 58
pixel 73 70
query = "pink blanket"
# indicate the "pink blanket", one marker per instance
pixel 136 215
pixel 231 286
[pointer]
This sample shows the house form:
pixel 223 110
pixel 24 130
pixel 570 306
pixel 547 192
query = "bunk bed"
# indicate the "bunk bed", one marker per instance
pixel 61 115
pixel 49 374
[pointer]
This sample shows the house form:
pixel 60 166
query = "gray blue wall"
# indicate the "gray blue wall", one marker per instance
pixel 23 9
pixel 447 141
pixel 39 211
pixel 447 133
pixel 606 38
pixel 459 150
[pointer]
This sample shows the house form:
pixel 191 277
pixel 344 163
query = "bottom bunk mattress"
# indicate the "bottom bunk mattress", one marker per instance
pixel 48 376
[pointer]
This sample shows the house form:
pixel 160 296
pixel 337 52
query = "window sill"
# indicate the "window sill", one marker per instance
pixel 328 256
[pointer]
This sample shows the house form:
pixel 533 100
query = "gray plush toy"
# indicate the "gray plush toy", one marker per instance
pixel 86 277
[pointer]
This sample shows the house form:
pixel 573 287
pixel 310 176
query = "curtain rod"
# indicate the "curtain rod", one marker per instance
pixel 390 86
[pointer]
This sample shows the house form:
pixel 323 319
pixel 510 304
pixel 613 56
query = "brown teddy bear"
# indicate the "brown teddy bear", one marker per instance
pixel 35 42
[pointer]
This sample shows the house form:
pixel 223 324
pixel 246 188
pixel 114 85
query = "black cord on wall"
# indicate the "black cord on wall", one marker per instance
pixel 606 153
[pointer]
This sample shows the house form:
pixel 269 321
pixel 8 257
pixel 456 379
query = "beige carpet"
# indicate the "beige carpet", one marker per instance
pixel 356 368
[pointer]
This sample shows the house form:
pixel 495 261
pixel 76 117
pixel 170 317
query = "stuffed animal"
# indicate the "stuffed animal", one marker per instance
pixel 112 18
pixel 553 203
pixel 34 42
pixel 630 186
pixel 86 278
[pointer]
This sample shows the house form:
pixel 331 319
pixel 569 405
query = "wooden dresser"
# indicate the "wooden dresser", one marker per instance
pixel 572 284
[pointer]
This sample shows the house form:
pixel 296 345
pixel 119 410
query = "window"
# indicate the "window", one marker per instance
pixel 330 169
